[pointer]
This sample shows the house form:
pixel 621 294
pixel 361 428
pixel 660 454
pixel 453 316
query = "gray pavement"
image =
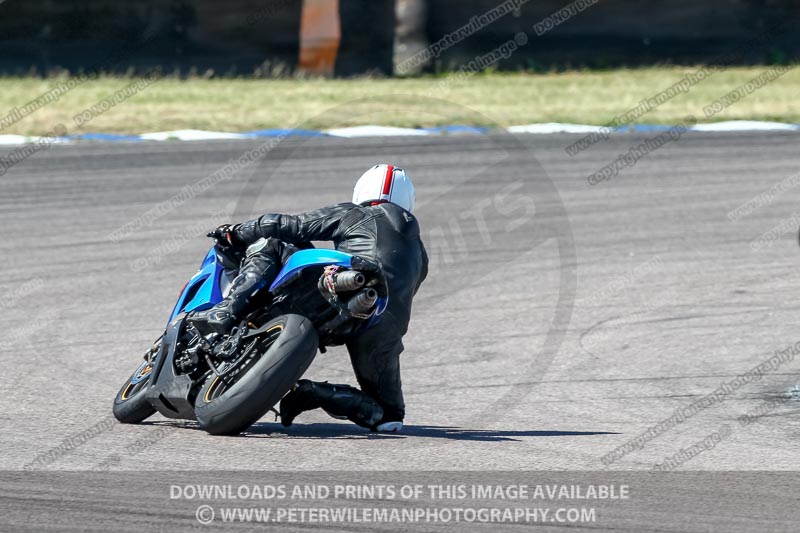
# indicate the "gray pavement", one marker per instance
pixel 561 320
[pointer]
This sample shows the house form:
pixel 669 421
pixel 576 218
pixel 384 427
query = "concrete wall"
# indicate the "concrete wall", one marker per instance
pixel 227 36
pixel 624 32
pixel 259 36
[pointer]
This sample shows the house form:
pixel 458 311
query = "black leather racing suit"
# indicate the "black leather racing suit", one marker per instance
pixel 385 233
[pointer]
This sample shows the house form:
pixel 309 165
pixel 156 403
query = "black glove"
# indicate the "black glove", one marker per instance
pixel 229 250
pixel 225 237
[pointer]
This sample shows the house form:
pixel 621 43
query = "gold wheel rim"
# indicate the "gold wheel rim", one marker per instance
pixel 214 384
pixel 142 373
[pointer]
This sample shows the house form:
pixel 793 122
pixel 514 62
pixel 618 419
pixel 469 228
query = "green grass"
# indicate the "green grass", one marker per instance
pixel 590 97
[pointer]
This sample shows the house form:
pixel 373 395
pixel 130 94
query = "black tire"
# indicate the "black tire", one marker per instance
pixel 228 407
pixel 130 405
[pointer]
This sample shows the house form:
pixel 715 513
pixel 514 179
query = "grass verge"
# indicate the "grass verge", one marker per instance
pixel 488 100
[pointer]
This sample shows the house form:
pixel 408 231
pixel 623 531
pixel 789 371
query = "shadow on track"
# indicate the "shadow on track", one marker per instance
pixel 347 431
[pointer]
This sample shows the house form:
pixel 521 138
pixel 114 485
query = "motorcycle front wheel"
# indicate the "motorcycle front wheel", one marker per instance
pixel 130 405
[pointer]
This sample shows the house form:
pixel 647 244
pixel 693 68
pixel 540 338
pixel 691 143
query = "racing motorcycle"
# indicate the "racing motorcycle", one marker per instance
pixel 226 382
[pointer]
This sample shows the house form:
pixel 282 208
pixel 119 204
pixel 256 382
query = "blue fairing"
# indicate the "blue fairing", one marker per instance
pixel 306 258
pixel 203 290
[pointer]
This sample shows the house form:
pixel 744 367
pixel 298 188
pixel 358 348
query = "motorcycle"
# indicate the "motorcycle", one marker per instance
pixel 228 382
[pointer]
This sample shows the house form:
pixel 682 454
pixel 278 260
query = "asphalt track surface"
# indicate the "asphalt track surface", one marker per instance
pixel 561 320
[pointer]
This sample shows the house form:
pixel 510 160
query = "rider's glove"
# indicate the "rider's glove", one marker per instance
pixel 225 237
pixel 229 249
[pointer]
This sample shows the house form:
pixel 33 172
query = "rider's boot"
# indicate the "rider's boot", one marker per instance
pixel 339 401
pixel 256 272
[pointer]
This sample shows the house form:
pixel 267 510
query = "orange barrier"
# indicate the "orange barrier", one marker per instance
pixel 320 33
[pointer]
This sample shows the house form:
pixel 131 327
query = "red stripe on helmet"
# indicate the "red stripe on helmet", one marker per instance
pixel 387 181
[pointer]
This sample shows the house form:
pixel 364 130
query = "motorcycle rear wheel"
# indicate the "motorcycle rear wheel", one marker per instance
pixel 274 363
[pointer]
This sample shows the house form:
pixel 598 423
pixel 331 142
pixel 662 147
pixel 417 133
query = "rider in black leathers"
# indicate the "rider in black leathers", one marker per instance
pixel 377 229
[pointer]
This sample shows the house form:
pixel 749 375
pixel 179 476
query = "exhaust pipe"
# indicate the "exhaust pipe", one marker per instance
pixel 349 280
pixel 362 303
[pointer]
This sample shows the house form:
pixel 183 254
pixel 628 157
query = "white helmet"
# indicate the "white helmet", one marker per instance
pixel 385 183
